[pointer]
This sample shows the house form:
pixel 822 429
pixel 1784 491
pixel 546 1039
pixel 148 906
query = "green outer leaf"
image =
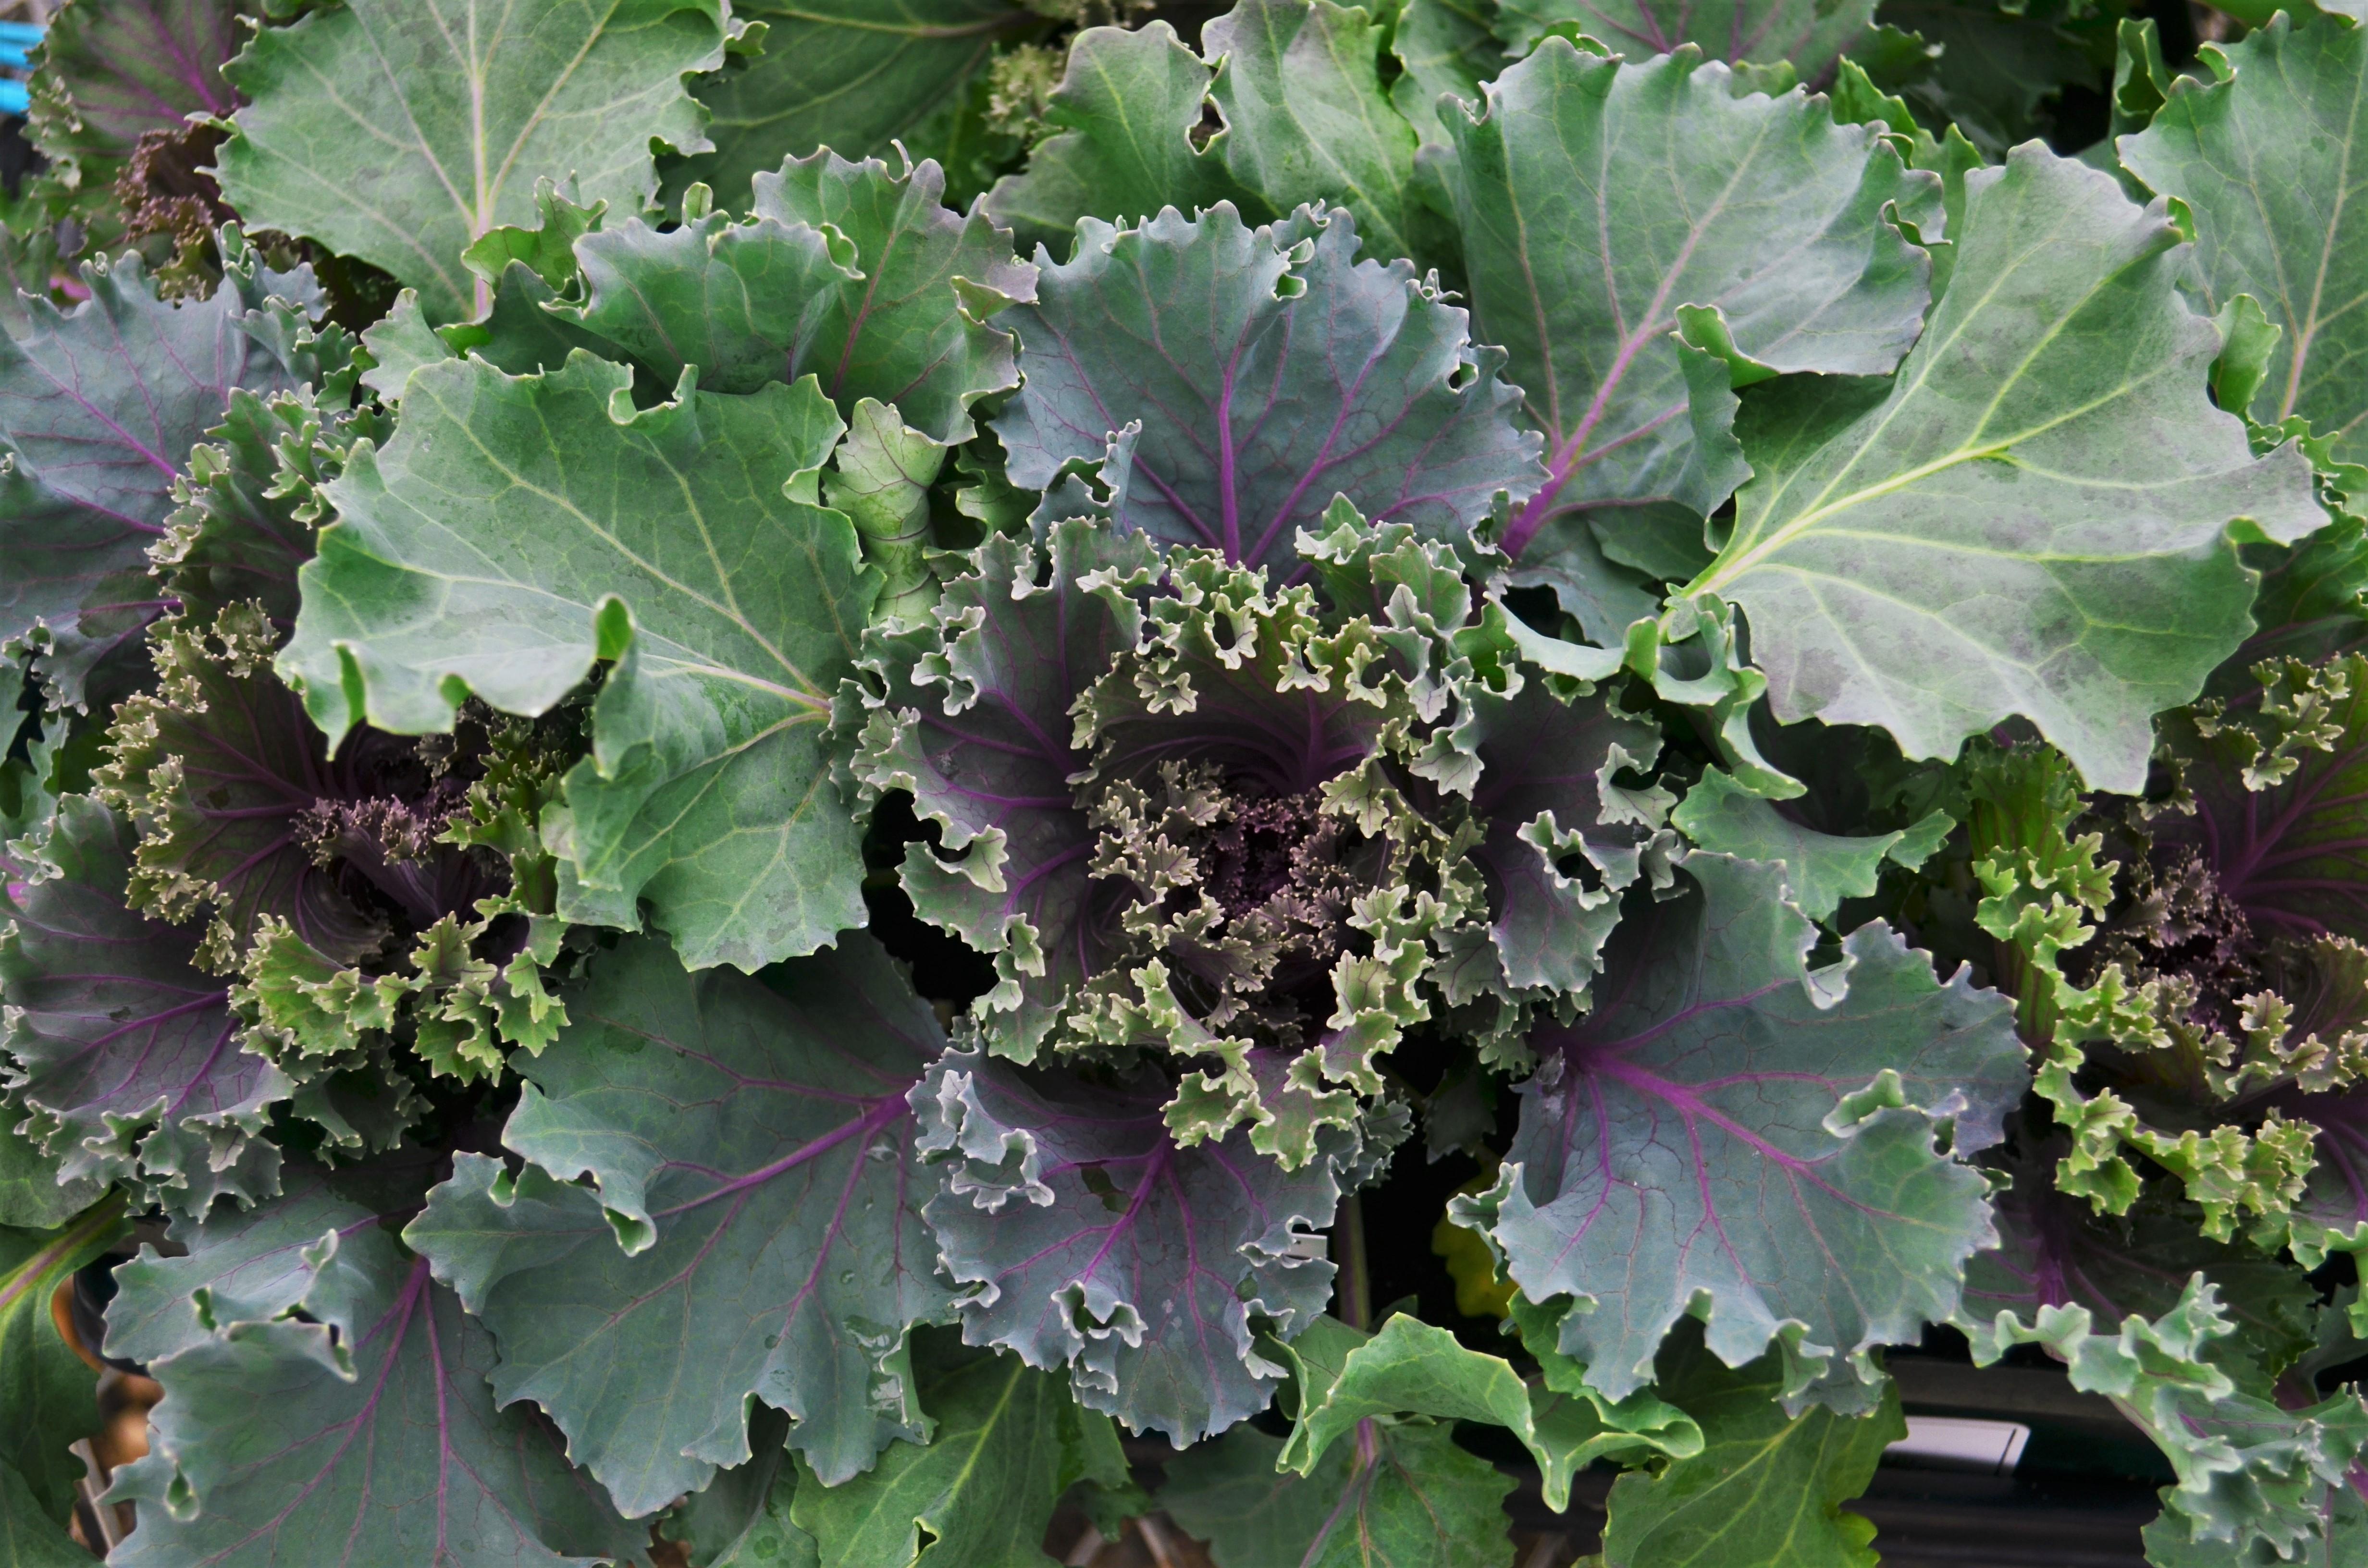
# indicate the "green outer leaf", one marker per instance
pixel 366 1420
pixel 29 1536
pixel 2272 162
pixel 516 530
pixel 1413 1368
pixel 1727 1124
pixel 1401 1496
pixel 981 1493
pixel 402 130
pixel 1767 1489
pixel 752 1229
pixel 1125 110
pixel 741 1519
pixel 1599 201
pixel 1820 868
pixel 1308 120
pixel 32 1195
pixel 1443 47
pixel 49 1396
pixel 2035 519
pixel 854 74
pixel 1808 35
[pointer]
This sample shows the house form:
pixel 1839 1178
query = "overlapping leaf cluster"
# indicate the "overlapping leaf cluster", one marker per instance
pixel 765 760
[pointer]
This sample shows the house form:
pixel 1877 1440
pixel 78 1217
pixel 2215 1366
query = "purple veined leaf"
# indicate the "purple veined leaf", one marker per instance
pixel 1259 406
pixel 2294 857
pixel 1808 35
pixel 338 1394
pixel 2331 1216
pixel 99 406
pixel 126 1056
pixel 110 72
pixel 1089 1239
pixel 1605 205
pixel 1725 1123
pixel 1545 765
pixel 974 718
pixel 752 1228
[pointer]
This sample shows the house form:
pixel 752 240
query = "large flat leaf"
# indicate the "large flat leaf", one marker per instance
pixel 2034 516
pixel 1767 1489
pixel 1256 407
pixel 126 1056
pixel 352 1407
pixel 1597 198
pixel 402 130
pixel 2267 159
pixel 853 74
pixel 1724 1124
pixel 99 406
pixel 1008 1443
pixel 516 529
pixel 1808 34
pixel 1089 1239
pixel 752 1229
pixel 108 74
pixel 1820 868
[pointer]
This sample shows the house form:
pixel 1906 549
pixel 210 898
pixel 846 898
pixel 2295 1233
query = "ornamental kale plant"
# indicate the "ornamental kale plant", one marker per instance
pixel 875 785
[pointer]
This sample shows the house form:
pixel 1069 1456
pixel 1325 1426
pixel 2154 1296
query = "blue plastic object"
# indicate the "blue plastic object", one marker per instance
pixel 13 99
pixel 16 41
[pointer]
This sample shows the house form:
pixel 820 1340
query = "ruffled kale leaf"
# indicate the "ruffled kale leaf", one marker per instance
pixel 400 131
pixel 1766 1490
pixel 751 1230
pixel 2276 231
pixel 1800 33
pixel 1088 1238
pixel 126 1055
pixel 45 1388
pixel 1008 1443
pixel 520 528
pixel 99 407
pixel 1604 205
pixel 1727 1122
pixel 351 1406
pixel 1297 373
pixel 853 73
pixel 2035 516
pixel 2249 1469
pixel 1407 1495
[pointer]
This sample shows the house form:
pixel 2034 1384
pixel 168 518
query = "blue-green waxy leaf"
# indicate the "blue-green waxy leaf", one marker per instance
pixel 1089 1239
pixel 401 131
pixel 1725 1123
pixel 108 75
pixel 852 75
pixel 1599 201
pixel 47 1393
pixel 1766 1489
pixel 518 529
pixel 351 1406
pixel 99 406
pixel 1808 35
pixel 752 1227
pixel 2269 162
pixel 2034 516
pixel 1444 49
pixel 1255 405
pixel 1008 1442
pixel 126 1056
